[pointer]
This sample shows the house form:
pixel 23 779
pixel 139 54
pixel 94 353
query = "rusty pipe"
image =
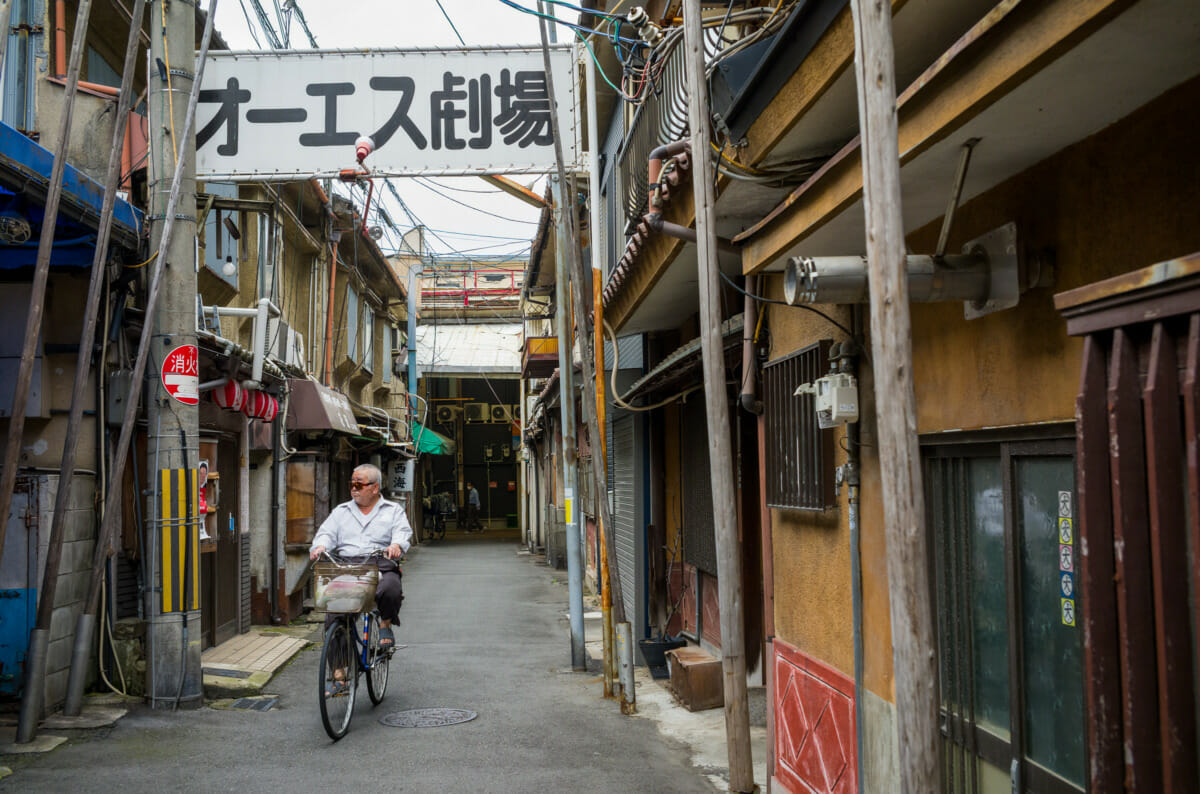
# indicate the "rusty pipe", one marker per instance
pixel 60 38
pixel 656 223
pixel 657 157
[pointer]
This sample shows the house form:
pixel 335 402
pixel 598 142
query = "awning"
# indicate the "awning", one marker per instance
pixel 430 441
pixel 312 406
pixel 679 370
pixel 24 182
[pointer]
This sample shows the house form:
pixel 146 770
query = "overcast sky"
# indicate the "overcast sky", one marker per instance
pixel 342 24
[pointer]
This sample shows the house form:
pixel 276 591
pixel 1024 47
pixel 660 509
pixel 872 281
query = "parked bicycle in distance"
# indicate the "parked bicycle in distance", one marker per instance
pixel 346 591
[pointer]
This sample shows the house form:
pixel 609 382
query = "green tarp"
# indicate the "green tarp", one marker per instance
pixel 430 441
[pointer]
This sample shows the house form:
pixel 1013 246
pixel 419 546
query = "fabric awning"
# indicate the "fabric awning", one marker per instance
pixel 312 406
pixel 430 441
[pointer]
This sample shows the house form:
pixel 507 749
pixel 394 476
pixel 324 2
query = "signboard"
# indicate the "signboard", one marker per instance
pixel 400 476
pixel 297 114
pixel 181 374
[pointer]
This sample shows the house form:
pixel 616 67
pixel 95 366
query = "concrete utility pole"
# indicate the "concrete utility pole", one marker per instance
pixel 899 457
pixel 174 428
pixel 729 558
pixel 566 403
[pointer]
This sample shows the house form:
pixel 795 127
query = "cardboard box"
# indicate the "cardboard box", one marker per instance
pixel 696 678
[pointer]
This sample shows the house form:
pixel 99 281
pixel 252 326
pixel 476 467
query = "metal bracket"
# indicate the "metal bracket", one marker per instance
pixel 960 176
pixel 999 247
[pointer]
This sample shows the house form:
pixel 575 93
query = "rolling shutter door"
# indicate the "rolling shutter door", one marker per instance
pixel 625 511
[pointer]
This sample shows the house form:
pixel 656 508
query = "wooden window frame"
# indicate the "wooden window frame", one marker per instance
pixel 1056 440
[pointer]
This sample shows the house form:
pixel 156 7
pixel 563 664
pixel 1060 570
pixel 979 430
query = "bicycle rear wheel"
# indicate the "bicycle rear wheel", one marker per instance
pixel 377 662
pixel 336 693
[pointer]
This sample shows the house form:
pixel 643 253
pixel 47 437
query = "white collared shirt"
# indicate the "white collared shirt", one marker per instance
pixel 349 533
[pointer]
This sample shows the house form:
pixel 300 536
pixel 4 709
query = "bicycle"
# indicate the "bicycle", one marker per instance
pixel 347 590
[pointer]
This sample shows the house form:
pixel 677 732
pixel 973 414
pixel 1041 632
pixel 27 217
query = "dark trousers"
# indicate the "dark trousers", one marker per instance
pixel 473 517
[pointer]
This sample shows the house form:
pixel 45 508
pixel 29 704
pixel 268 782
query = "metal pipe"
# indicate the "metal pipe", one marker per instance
pixel 656 223
pixel 60 37
pixel 729 559
pixel 41 274
pixel 748 397
pixel 843 279
pixel 334 237
pixel 566 403
pixel 27 724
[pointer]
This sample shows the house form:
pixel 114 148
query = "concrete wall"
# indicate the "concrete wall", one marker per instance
pixel 79 541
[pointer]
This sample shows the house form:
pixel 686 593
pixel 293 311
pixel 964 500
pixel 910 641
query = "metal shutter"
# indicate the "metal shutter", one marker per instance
pixel 625 511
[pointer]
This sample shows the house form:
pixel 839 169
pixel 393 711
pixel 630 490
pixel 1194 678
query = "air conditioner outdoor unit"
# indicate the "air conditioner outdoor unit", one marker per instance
pixel 500 414
pixel 516 412
pixel 446 414
pixel 476 412
pixel 295 349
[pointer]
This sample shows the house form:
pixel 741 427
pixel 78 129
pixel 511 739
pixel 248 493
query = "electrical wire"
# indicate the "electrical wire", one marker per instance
pixel 556 20
pixel 450 21
pixel 806 307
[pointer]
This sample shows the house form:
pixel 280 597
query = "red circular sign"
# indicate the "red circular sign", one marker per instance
pixel 181 374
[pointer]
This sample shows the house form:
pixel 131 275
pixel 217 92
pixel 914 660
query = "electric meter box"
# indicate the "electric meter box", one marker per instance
pixel 837 398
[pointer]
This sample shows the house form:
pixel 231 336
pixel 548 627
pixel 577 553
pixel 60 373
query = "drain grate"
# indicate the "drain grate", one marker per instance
pixel 217 671
pixel 254 704
pixel 427 718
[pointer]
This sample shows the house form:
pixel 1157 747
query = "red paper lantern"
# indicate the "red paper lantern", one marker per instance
pixel 260 405
pixel 230 396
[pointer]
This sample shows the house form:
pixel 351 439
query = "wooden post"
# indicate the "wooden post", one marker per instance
pixel 913 649
pixel 729 562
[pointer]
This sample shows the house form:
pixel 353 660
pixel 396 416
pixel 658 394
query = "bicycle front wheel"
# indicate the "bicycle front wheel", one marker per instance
pixel 338 680
pixel 377 662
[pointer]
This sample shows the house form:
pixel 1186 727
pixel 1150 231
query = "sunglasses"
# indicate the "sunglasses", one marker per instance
pixel 355 485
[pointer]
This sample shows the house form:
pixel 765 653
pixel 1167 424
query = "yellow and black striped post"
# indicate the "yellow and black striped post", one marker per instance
pixel 179 539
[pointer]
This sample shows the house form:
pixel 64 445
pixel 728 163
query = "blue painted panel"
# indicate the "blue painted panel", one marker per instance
pixel 17 613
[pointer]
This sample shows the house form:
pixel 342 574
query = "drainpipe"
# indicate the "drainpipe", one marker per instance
pixel 334 237
pixel 749 320
pixel 276 461
pixel 654 218
pixel 849 473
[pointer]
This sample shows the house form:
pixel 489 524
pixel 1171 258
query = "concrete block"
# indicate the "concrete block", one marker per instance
pixel 58 654
pixel 80 526
pixel 62 621
pixel 72 589
pixel 696 679
pixel 76 557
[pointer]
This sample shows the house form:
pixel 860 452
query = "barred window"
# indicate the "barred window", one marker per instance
pixel 799 454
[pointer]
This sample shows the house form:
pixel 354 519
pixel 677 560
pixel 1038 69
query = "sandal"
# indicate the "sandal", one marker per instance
pixel 387 640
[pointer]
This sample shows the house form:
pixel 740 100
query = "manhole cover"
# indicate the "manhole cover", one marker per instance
pixel 427 718
pixel 254 704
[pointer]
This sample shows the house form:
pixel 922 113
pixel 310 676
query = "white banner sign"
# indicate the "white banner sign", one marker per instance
pixel 297 114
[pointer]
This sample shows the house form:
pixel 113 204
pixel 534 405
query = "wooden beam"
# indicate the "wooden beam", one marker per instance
pixel 516 191
pixel 910 594
pixel 1014 41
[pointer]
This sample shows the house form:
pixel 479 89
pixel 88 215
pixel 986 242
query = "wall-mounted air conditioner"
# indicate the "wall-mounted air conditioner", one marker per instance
pixel 446 414
pixel 500 413
pixel 476 412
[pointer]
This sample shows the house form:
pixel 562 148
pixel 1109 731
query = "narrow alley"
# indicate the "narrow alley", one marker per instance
pixel 482 629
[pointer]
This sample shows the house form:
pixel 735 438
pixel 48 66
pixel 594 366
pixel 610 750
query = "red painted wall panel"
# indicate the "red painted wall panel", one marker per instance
pixel 815 749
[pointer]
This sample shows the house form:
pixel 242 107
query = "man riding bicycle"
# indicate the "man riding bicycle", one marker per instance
pixel 365 524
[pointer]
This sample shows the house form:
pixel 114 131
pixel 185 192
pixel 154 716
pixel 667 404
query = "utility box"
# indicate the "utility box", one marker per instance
pixel 696 678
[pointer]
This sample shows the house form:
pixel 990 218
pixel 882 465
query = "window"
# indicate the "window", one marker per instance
pixel 799 454
pixel 385 351
pixel 351 323
pixel 1010 652
pixel 368 339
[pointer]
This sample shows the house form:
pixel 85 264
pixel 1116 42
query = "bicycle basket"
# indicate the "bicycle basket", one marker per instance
pixel 345 588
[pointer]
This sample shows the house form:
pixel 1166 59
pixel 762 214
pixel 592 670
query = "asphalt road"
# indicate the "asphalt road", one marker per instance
pixel 485 630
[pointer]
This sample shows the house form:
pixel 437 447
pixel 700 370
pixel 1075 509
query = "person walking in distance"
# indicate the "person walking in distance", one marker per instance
pixel 368 523
pixel 473 509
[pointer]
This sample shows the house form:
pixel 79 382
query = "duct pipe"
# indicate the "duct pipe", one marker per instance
pixel 749 320
pixel 843 279
pixel 334 237
pixel 656 223
pixel 657 157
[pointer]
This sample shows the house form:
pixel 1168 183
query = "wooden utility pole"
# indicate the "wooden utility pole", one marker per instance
pixel 913 656
pixel 729 558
